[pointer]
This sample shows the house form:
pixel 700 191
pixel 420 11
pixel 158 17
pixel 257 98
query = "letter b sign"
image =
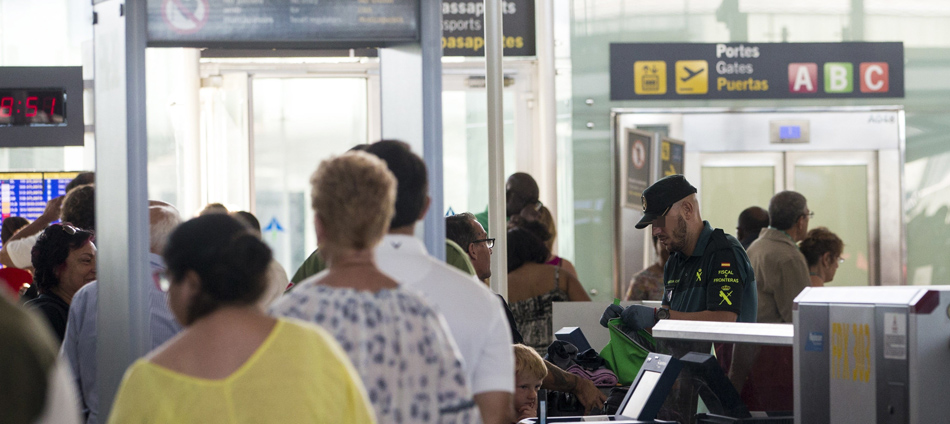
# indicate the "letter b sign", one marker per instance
pixel 838 77
pixel 874 77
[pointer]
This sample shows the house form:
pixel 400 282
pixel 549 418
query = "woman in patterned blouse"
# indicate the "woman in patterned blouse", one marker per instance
pixel 399 345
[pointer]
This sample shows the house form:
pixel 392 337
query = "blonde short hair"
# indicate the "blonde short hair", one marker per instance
pixel 528 361
pixel 353 195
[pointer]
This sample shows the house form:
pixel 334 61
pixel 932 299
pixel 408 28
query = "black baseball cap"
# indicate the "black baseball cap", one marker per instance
pixel 659 197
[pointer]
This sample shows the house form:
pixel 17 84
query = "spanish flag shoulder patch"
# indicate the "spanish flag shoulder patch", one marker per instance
pixel 725 265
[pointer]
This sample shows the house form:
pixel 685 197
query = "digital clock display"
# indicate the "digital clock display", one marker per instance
pixel 32 107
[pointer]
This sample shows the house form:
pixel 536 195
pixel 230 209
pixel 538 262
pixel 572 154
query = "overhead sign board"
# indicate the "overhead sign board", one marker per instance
pixel 684 71
pixel 463 28
pixel 281 23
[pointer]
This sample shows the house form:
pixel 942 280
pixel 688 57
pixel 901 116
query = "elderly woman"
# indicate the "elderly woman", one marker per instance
pixel 232 363
pixel 64 260
pixel 400 345
pixel 822 250
pixel 534 285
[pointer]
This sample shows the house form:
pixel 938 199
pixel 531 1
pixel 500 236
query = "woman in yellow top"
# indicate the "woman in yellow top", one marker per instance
pixel 232 363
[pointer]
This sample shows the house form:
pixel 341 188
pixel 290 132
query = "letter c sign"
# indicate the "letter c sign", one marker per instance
pixel 874 77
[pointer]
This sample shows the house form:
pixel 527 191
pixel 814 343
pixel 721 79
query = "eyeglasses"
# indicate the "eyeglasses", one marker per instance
pixel 489 241
pixel 840 260
pixel 810 214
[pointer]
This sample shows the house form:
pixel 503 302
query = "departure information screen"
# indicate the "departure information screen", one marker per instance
pixel 25 194
pixel 31 107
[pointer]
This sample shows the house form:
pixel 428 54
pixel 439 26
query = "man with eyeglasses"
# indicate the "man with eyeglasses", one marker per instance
pixel 468 233
pixel 464 230
pixel 780 268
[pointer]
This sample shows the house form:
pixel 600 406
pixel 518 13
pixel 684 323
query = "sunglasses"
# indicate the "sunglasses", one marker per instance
pixel 68 229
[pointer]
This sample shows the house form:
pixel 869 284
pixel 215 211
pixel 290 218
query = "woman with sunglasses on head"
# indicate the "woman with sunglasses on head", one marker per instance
pixel 232 363
pixel 534 285
pixel 822 250
pixel 64 260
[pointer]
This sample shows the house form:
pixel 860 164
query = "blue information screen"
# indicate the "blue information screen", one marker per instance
pixel 25 194
pixel 790 131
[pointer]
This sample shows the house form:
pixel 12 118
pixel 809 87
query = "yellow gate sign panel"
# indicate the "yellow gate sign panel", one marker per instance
pixel 649 77
pixel 692 77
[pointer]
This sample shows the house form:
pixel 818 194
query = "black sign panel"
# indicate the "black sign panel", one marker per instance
pixel 463 28
pixel 756 71
pixel 639 166
pixel 41 106
pixel 672 154
pixel 281 23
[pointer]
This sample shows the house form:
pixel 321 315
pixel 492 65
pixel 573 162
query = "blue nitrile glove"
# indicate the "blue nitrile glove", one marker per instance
pixel 612 311
pixel 639 317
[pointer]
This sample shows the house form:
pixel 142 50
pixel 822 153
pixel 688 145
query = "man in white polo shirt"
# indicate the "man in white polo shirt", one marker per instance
pixel 474 315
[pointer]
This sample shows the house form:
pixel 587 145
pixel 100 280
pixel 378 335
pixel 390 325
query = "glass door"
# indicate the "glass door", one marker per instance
pixel 731 182
pixel 465 140
pixel 842 190
pixel 224 153
pixel 297 122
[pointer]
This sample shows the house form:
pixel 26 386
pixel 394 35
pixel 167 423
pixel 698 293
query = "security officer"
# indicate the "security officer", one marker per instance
pixel 708 276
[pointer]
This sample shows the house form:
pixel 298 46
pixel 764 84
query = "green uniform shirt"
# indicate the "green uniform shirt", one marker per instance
pixel 716 277
pixel 311 266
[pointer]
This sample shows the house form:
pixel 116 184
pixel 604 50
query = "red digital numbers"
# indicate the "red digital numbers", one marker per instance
pixel 51 102
pixel 31 106
pixel 6 107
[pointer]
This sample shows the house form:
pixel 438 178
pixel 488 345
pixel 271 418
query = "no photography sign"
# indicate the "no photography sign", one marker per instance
pixel 185 16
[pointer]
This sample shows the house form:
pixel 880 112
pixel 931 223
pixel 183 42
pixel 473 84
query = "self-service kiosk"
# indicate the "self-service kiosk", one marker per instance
pixel 872 355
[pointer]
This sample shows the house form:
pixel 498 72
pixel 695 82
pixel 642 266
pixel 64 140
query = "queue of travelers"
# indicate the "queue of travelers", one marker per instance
pixel 401 337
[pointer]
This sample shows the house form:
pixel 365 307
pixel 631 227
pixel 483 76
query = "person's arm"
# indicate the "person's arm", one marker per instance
pixel 50 215
pixel 575 291
pixel 794 279
pixel 496 407
pixel 69 352
pixel 566 265
pixel 494 367
pixel 5 257
pixel 721 316
pixel 588 394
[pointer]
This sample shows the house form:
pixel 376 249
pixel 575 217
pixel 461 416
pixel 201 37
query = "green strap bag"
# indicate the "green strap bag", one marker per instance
pixel 625 352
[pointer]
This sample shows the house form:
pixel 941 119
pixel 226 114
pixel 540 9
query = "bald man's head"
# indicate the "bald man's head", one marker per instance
pixel 162 220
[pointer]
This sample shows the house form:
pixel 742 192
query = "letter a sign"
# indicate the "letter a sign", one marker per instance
pixel 802 77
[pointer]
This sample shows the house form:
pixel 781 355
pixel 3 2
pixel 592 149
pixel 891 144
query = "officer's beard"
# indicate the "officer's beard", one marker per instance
pixel 678 239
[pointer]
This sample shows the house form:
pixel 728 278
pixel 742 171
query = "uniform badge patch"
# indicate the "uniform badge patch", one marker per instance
pixel 725 265
pixel 725 297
